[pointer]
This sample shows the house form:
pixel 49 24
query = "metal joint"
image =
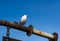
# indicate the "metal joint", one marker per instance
pixel 55 37
pixel 29 30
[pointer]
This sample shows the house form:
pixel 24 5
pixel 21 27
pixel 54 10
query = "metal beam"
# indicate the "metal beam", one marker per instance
pixel 9 39
pixel 29 30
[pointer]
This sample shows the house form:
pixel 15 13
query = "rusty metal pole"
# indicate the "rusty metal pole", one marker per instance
pixel 53 37
pixel 29 30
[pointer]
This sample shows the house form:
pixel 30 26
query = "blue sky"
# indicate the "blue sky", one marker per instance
pixel 44 15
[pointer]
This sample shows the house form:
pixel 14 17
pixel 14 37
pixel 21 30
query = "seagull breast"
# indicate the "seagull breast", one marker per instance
pixel 23 20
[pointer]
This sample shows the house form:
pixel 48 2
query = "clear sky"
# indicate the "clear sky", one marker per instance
pixel 44 15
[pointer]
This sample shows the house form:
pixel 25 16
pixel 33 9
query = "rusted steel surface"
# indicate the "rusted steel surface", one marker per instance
pixel 29 30
pixel 9 39
pixel 43 34
pixel 13 25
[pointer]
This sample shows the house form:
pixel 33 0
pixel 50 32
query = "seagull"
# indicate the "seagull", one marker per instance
pixel 23 19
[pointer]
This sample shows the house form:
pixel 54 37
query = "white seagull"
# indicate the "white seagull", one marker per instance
pixel 23 19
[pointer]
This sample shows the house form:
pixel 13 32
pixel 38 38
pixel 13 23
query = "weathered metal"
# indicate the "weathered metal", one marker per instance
pixel 9 39
pixel 8 32
pixel 55 37
pixel 43 34
pixel 29 30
